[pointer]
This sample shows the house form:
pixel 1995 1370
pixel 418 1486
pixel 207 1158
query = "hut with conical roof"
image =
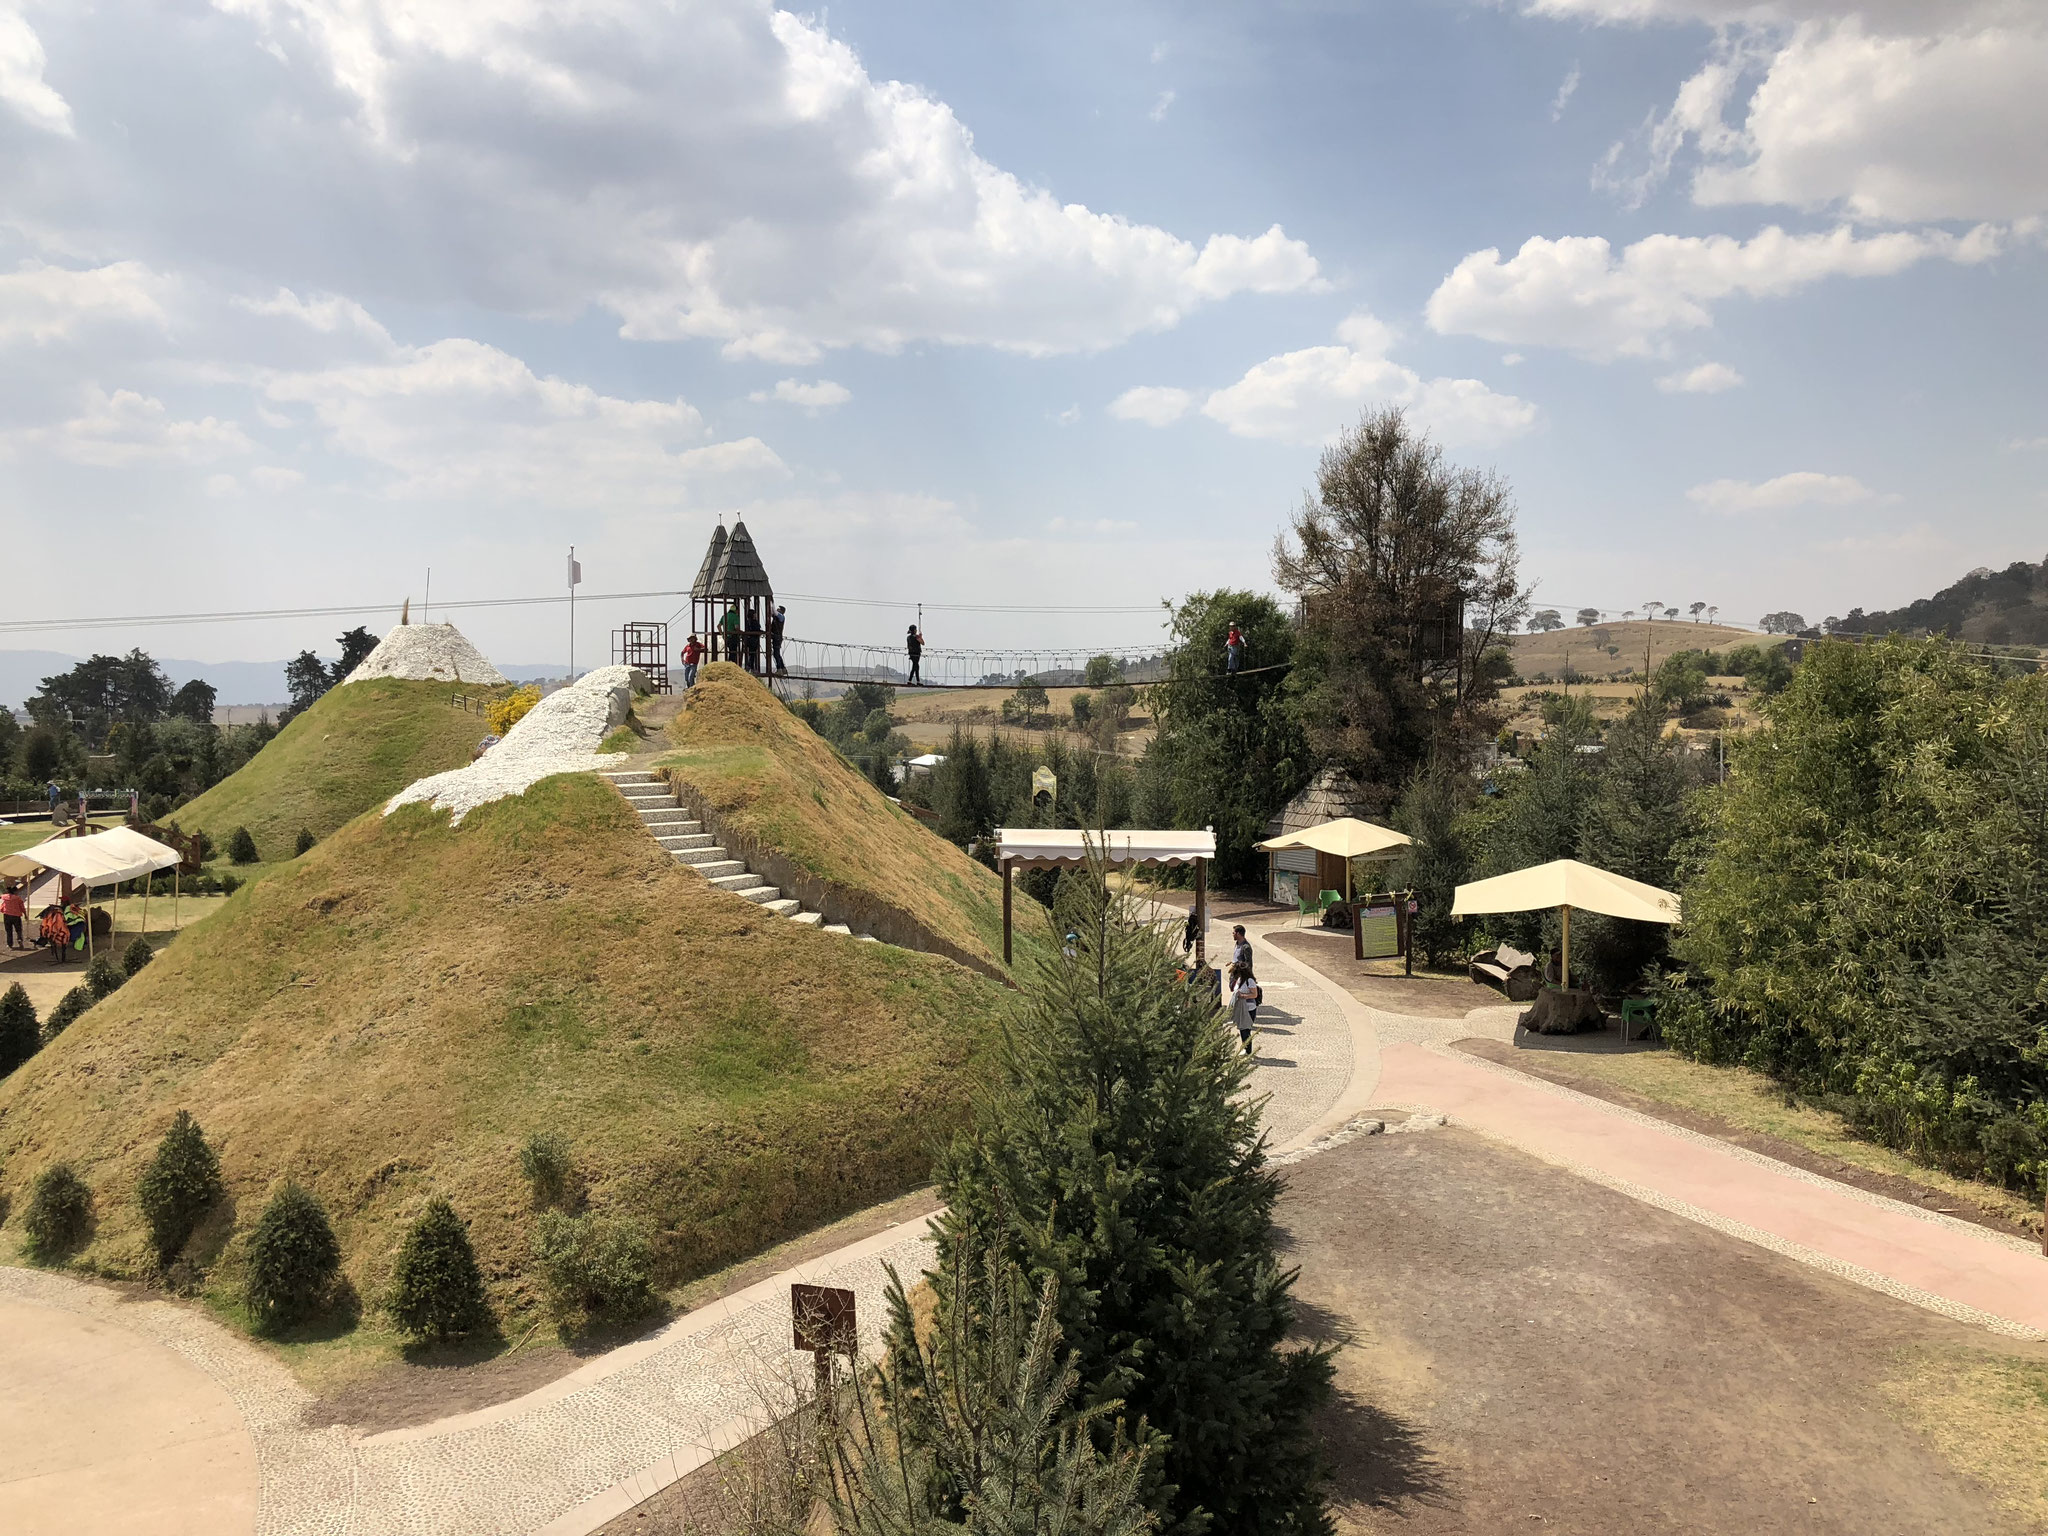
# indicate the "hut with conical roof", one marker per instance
pixel 732 600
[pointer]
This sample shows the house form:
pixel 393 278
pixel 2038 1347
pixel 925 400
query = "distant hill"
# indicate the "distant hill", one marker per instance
pixel 1615 650
pixel 2008 607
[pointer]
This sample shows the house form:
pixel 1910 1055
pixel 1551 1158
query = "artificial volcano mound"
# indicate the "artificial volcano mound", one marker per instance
pixel 391 1015
pixel 427 653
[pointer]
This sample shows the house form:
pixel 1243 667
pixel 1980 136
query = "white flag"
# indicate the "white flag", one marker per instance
pixel 575 571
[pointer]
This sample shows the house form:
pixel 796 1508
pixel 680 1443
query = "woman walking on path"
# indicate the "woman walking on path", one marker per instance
pixel 1244 1004
pixel 13 909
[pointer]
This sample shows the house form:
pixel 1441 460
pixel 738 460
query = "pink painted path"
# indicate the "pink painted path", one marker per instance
pixel 1934 1261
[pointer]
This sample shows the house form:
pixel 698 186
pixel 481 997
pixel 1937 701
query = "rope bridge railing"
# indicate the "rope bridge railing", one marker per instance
pixel 835 661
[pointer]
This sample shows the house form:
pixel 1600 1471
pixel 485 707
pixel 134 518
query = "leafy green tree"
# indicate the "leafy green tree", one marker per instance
pixel 1408 574
pixel 1433 812
pixel 963 793
pixel 99 693
pixel 1545 621
pixel 594 1265
pixel 1031 699
pixel 1680 683
pixel 1588 617
pixel 242 847
pixel 1082 708
pixel 1102 671
pixel 1229 750
pixel 20 1035
pixel 103 977
pixel 59 1213
pixel 1635 818
pixel 10 742
pixel 1117 1156
pixel 136 956
pixel 356 644
pixel 180 1185
pixel 978 1428
pixel 42 754
pixel 293 1259
pixel 437 1292
pixel 195 702
pixel 306 678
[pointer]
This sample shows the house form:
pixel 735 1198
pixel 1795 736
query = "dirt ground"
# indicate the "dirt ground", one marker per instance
pixel 1519 1349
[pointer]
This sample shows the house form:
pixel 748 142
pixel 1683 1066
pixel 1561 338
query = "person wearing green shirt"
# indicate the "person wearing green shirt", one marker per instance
pixel 730 624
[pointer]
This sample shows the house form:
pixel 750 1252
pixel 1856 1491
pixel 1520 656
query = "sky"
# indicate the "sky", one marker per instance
pixel 999 306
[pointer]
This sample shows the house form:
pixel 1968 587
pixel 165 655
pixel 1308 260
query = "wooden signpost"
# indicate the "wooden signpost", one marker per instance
pixel 823 1320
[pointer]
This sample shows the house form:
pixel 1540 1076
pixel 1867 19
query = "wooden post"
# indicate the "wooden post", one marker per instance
pixel 1564 972
pixel 1201 912
pixel 1006 911
pixel 1407 933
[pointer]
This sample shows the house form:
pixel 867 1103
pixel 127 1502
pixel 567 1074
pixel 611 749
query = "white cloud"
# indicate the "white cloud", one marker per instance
pixel 122 428
pixel 44 303
pixel 1565 92
pixel 1907 14
pixel 816 397
pixel 1801 488
pixel 22 85
pixel 459 418
pixel 2023 444
pixel 1706 379
pixel 1162 106
pixel 1576 293
pixel 275 477
pixel 1307 396
pixel 1153 404
pixel 704 168
pixel 1068 417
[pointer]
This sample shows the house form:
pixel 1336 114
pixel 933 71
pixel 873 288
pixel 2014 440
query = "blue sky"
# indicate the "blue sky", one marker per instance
pixel 1004 304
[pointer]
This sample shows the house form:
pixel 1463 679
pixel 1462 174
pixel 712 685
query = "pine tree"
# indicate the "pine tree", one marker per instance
pixel 59 1213
pixel 292 1258
pixel 65 1014
pixel 241 847
pixel 136 956
pixel 179 1186
pixel 103 978
pixel 436 1290
pixel 20 1037
pixel 1117 1157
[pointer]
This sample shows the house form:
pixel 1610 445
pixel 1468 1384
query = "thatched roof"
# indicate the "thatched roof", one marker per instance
pixel 1329 795
pixel 701 587
pixel 739 572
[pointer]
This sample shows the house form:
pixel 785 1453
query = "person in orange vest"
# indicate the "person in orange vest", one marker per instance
pixel 56 933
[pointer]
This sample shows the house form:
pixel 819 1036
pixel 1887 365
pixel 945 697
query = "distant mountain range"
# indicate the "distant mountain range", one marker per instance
pixel 2008 607
pixel 237 682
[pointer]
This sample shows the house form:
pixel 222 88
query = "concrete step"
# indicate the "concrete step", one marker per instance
pixel 784 906
pixel 648 794
pixel 668 818
pixel 683 840
pixel 707 853
pixel 867 938
pixel 739 880
pixel 837 928
pixel 807 919
pixel 624 776
pixel 710 869
pixel 763 895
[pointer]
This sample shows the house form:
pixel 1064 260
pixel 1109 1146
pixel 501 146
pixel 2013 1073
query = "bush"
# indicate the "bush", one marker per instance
pixel 593 1265
pixel 68 1008
pixel 103 978
pixel 305 842
pixel 59 1213
pixel 179 1186
pixel 502 714
pixel 229 884
pixel 136 956
pixel 546 1163
pixel 436 1291
pixel 292 1258
pixel 20 1038
pixel 241 847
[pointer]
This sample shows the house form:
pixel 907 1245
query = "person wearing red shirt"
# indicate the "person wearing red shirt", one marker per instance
pixel 13 909
pixel 693 652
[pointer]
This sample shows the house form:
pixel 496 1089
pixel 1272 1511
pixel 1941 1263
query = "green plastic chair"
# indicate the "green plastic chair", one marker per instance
pixel 1309 908
pixel 1637 1009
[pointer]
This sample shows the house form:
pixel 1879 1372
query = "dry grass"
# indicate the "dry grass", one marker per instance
pixel 1754 1103
pixel 391 1015
pixel 773 778
pixel 929 719
pixel 1988 1415
pixel 1588 649
pixel 355 748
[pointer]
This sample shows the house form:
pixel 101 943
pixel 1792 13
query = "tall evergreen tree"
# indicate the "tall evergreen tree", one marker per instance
pixel 20 1034
pixel 179 1186
pixel 1117 1157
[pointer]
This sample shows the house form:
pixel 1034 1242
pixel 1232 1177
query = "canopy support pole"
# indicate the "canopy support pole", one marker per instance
pixel 1006 911
pixel 1201 911
pixel 1564 974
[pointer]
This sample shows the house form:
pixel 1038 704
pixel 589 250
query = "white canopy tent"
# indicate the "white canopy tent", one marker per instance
pixel 104 858
pixel 1566 883
pixel 1051 847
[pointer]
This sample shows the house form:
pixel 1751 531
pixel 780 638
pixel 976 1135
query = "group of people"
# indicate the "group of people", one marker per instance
pixel 63 924
pixel 739 638
pixel 1241 982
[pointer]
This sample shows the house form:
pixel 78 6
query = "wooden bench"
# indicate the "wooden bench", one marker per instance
pixel 1511 970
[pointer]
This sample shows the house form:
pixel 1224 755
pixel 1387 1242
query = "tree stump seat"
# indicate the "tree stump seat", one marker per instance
pixel 1560 1012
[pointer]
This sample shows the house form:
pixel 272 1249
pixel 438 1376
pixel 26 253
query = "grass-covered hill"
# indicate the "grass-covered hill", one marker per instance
pixel 2008 607
pixel 357 746
pixel 391 1015
pixel 767 774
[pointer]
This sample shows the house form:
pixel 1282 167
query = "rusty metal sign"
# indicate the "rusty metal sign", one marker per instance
pixel 824 1319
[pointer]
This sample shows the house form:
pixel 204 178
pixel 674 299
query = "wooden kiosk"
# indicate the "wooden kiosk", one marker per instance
pixel 1051 847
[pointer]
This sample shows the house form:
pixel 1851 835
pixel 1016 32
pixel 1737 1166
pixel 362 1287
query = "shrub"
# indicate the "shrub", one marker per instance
pixel 241 847
pixel 68 1008
pixel 546 1163
pixel 594 1265
pixel 305 842
pixel 103 978
pixel 436 1291
pixel 136 956
pixel 179 1186
pixel 19 1036
pixel 502 714
pixel 292 1258
pixel 59 1213
pixel 229 884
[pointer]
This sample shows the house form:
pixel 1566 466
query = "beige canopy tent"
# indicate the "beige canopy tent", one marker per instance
pixel 1050 847
pixel 104 858
pixel 1566 883
pixel 1346 838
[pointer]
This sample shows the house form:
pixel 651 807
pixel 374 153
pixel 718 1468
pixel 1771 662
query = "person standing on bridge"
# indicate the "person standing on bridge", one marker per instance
pixel 754 639
pixel 775 622
pixel 1233 648
pixel 730 624
pixel 693 652
pixel 913 644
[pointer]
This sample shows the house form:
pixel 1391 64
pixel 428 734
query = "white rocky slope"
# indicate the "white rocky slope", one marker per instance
pixel 560 734
pixel 427 653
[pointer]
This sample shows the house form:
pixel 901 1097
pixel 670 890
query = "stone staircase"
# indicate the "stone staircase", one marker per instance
pixel 688 843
